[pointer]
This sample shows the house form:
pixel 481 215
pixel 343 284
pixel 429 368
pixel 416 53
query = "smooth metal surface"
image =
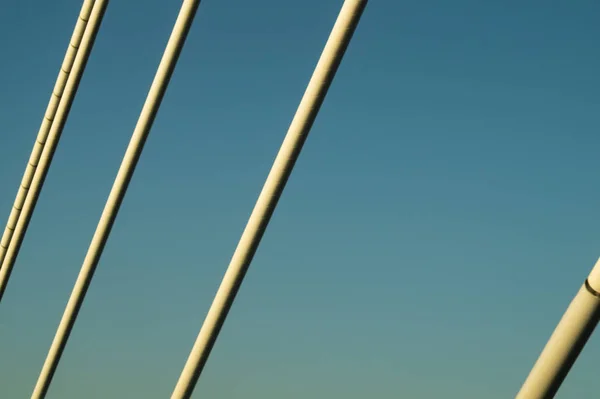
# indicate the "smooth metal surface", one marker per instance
pixel 117 193
pixel 267 201
pixel 53 137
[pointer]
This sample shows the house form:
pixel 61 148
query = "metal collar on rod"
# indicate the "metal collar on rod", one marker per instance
pixel 62 112
pixel 267 201
pixel 36 152
pixel 117 193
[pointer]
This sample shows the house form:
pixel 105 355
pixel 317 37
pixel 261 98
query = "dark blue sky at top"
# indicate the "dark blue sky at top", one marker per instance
pixel 442 215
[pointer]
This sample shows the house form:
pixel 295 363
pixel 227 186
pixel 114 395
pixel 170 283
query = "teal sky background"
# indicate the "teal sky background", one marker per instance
pixel 441 217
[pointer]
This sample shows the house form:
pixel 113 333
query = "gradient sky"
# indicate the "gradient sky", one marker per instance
pixel 442 215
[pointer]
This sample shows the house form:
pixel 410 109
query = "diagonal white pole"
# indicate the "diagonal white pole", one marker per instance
pixel 117 193
pixel 267 201
pixel 52 137
pixel 567 341
pixel 57 93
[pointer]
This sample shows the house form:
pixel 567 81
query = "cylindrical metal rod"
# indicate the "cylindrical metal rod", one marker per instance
pixel 38 146
pixel 117 193
pixel 267 201
pixel 567 341
pixel 60 117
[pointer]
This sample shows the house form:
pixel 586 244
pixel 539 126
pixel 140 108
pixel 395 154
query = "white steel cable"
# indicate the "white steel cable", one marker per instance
pixel 40 141
pixel 267 201
pixel 60 117
pixel 566 342
pixel 117 193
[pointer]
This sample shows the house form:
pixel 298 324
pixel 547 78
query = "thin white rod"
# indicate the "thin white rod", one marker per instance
pixel 51 109
pixel 267 201
pixel 117 193
pixel 60 117
pixel 567 341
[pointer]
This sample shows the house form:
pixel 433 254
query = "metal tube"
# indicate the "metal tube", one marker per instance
pixel 49 116
pixel 567 341
pixel 60 117
pixel 117 193
pixel 292 145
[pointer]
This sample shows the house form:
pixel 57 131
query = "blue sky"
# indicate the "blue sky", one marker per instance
pixel 440 218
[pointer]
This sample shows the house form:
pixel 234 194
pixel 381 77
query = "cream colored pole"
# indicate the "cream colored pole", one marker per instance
pixel 38 146
pixel 60 117
pixel 267 201
pixel 117 193
pixel 567 341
